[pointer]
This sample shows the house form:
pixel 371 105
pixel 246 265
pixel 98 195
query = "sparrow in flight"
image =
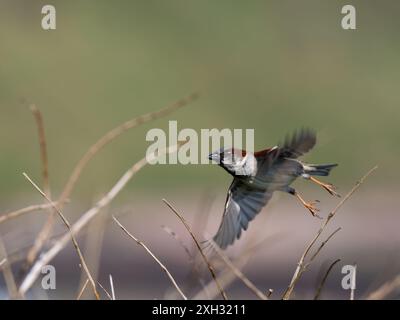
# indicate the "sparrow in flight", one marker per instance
pixel 257 175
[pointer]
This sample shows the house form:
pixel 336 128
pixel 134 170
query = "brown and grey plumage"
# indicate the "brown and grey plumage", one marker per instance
pixel 257 176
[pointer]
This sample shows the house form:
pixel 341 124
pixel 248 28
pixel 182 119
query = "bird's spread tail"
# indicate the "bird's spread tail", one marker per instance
pixel 319 169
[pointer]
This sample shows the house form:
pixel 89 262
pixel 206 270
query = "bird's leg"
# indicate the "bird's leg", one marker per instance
pixel 308 205
pixel 327 186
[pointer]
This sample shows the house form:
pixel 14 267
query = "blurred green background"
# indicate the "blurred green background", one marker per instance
pixel 269 65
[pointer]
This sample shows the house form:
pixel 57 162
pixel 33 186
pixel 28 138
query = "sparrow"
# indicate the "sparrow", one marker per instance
pixel 256 176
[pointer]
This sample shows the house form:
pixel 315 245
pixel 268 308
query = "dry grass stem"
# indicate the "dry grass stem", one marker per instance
pixel 82 290
pixel 226 276
pixel 321 285
pixel 8 274
pixel 113 134
pixel 43 148
pixel 300 265
pixel 173 234
pixel 86 217
pixel 105 291
pixel 92 247
pixel 92 151
pixel 45 232
pixel 153 256
pixel 236 271
pixel 112 287
pixel 14 214
pixel 385 290
pixel 323 243
pixel 75 243
pixel 223 294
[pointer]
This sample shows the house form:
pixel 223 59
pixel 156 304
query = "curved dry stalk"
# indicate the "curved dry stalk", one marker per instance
pixel 7 272
pixel 226 276
pixel 14 214
pixel 93 150
pixel 300 265
pixel 113 134
pixel 173 234
pixel 385 290
pixel 86 217
pixel 319 290
pixel 221 290
pixel 105 291
pixel 74 241
pixel 162 266
pixel 238 273
pixel 43 235
pixel 82 290
pixel 323 243
pixel 43 148
pixel 112 288
pixel 92 247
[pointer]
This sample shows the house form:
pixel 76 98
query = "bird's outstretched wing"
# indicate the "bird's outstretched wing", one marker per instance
pixel 243 203
pixel 293 147
pixel 298 144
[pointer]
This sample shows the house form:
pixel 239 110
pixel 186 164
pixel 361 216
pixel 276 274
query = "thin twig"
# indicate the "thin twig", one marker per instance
pixel 153 256
pixel 223 294
pixel 94 149
pixel 75 243
pixel 173 234
pixel 8 274
pixel 238 273
pixel 113 134
pixel 92 247
pixel 105 291
pixel 226 276
pixel 300 265
pixel 112 287
pixel 82 290
pixel 86 217
pixel 20 254
pixel 195 275
pixel 321 285
pixel 43 148
pixel 385 290
pixel 323 243
pixel 14 214
pixel 46 231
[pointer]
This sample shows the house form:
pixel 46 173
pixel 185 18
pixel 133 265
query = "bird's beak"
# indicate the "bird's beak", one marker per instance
pixel 212 157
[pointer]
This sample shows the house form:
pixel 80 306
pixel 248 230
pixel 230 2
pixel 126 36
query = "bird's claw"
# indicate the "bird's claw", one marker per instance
pixel 331 189
pixel 312 208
